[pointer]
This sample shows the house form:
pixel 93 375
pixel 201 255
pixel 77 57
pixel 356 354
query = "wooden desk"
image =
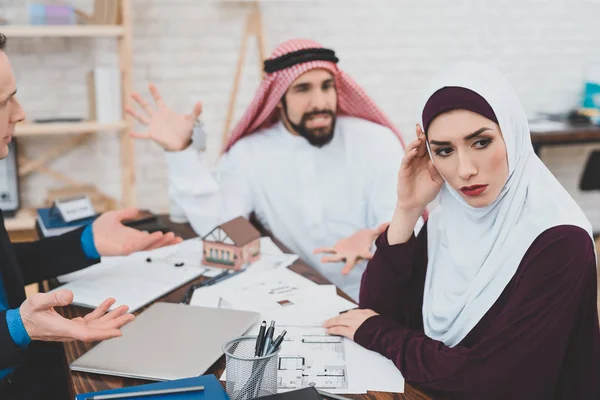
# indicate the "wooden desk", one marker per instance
pixel 570 135
pixel 81 382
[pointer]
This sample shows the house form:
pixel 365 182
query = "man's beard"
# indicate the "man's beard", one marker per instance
pixel 318 137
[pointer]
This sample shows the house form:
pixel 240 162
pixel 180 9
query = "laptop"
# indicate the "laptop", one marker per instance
pixel 167 341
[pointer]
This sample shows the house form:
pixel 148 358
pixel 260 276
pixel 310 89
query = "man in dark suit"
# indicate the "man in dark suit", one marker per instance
pixel 30 367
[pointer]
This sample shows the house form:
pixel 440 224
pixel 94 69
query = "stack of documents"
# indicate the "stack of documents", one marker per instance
pixel 145 276
pixel 138 279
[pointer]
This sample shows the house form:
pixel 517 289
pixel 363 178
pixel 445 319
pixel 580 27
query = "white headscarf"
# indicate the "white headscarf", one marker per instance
pixel 474 252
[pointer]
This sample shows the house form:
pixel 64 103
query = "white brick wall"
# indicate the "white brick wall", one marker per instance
pixel 189 49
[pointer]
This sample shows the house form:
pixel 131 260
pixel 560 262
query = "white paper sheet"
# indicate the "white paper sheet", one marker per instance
pixel 267 246
pixel 375 372
pixel 331 363
pixel 250 284
pixel 188 253
pixel 134 283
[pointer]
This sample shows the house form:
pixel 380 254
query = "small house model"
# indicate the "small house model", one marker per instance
pixel 232 244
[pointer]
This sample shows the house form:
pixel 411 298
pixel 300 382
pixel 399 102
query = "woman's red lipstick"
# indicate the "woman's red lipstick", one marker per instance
pixel 474 190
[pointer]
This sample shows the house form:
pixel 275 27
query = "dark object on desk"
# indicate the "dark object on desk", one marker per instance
pixel 575 118
pixel 260 339
pixel 50 223
pixel 331 396
pixel 590 179
pixel 309 393
pixel 268 339
pixel 216 279
pixel 146 221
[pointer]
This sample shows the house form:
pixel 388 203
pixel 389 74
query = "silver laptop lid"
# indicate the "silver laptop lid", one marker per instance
pixel 167 341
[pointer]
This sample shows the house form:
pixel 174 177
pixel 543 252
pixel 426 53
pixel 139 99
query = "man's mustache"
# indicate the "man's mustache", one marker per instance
pixel 318 113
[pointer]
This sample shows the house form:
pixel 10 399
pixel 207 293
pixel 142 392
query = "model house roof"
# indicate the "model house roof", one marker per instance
pixel 238 232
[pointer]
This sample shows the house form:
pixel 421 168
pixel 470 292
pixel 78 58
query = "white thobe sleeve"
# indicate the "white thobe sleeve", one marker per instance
pixel 208 196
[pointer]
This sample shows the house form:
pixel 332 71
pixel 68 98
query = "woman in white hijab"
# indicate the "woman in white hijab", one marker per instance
pixel 496 297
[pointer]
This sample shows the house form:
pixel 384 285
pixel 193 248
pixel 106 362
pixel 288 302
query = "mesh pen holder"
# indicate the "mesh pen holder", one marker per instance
pixel 249 377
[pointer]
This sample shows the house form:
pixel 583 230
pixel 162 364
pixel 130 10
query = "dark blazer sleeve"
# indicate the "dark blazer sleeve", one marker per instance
pixel 9 352
pixel 48 258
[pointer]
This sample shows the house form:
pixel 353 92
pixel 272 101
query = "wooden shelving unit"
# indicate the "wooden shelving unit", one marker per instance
pixel 66 128
pixel 63 30
pixel 95 27
pixel 24 220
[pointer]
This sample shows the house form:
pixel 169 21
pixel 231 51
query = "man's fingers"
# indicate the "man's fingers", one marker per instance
pixel 86 334
pixel 155 94
pixel 348 266
pixel 197 111
pixel 166 239
pixel 117 323
pixel 59 298
pixel 143 103
pixel 140 135
pixel 324 250
pixel 142 119
pixel 116 313
pixel 126 213
pixel 334 258
pixel 100 310
pixel 144 239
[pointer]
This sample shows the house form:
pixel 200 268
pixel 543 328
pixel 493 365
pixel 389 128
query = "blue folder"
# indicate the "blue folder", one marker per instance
pixel 212 390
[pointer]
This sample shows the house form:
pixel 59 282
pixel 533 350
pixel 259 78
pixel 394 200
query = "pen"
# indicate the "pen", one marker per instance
pixel 345 311
pixel 190 291
pixel 277 342
pixel 268 339
pixel 259 339
pixel 146 393
pixel 215 279
pixel 220 278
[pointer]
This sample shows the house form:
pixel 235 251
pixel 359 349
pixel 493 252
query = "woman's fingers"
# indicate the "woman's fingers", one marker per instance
pixel 423 145
pixel 409 156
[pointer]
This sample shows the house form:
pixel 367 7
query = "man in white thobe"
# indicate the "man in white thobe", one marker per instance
pixel 312 157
